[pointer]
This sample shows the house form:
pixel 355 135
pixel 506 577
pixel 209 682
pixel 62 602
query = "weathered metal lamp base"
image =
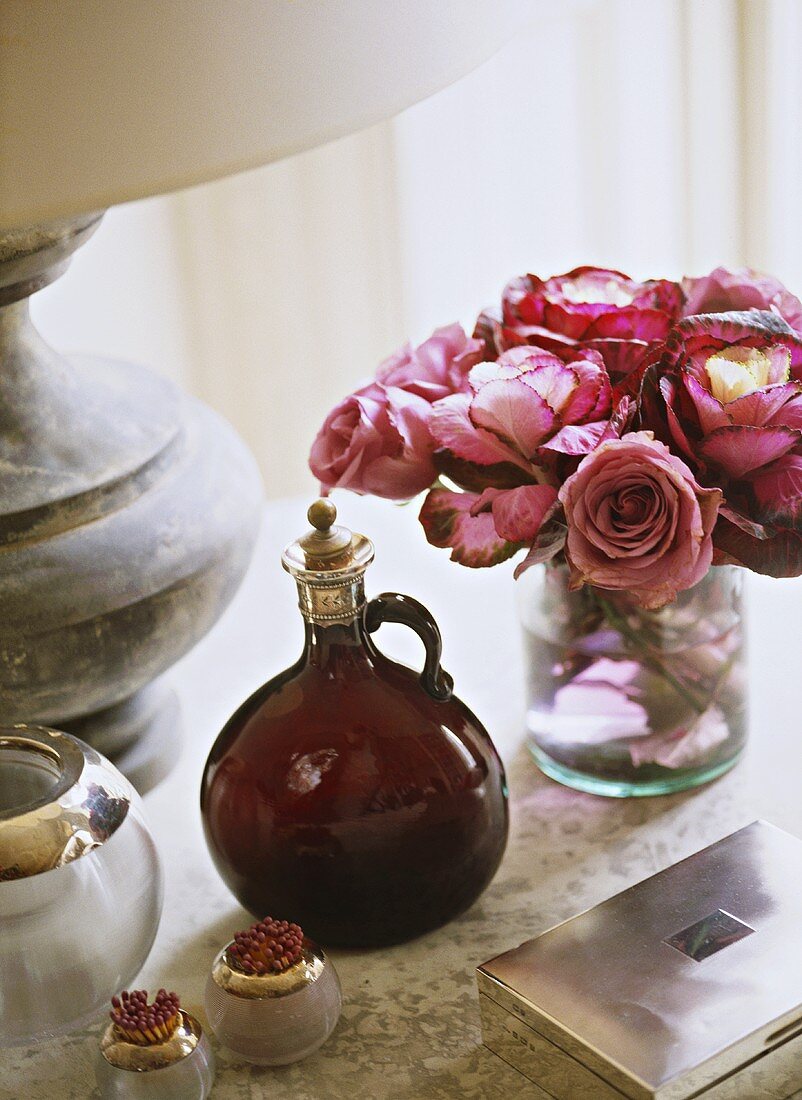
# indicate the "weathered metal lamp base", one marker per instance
pixel 128 513
pixel 142 735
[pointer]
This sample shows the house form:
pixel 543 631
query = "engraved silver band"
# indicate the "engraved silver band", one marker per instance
pixel 340 602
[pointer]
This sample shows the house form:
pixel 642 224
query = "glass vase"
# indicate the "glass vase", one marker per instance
pixel 624 701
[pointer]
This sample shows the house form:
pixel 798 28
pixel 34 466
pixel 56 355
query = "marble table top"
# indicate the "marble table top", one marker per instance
pixel 410 1023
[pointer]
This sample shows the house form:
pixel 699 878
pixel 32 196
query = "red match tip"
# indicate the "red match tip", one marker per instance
pixel 142 1023
pixel 267 947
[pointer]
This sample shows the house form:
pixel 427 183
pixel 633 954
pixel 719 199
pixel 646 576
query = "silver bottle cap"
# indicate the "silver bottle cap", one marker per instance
pixel 328 564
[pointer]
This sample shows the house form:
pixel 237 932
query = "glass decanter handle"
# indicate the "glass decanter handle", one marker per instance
pixel 392 607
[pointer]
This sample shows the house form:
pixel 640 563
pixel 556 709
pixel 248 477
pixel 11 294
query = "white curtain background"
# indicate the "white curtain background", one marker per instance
pixel 659 138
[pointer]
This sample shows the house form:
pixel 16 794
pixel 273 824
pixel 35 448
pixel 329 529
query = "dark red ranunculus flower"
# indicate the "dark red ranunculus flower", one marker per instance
pixel 726 394
pixel 589 307
pixel 725 290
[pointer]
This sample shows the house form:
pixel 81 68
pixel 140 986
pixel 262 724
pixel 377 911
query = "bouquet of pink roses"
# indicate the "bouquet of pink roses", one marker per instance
pixel 641 431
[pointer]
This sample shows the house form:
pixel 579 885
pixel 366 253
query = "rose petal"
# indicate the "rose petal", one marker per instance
pixel 709 409
pixel 435 369
pixel 682 748
pixel 621 357
pixel 739 448
pixel 573 321
pixel 762 406
pixel 590 712
pixel 621 419
pixel 756 530
pixel 560 386
pixel 549 542
pixel 509 365
pixel 741 289
pixel 778 492
pixel 649 325
pixel 355 434
pixel 594 379
pixel 513 411
pixel 405 475
pixel 509 337
pixel 475 478
pixel 665 393
pixel 790 415
pixel 777 555
pixel 577 439
pixel 447 520
pixel 453 429
pixel 518 514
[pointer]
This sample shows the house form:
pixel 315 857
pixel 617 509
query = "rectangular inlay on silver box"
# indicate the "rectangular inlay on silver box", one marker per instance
pixel 688 984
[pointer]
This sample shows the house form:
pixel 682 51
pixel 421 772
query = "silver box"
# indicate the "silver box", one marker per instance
pixel 687 984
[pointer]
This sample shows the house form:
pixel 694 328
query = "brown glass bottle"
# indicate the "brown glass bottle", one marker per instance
pixel 350 793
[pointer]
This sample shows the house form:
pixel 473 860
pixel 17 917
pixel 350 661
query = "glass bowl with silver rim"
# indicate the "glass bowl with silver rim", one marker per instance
pixel 80 884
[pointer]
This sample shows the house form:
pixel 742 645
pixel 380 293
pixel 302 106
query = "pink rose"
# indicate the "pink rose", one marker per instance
pixel 638 520
pixel 723 290
pixel 588 307
pixel 435 369
pixel 376 441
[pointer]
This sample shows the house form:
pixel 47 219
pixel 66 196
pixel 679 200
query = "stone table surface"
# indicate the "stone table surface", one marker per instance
pixel 410 1025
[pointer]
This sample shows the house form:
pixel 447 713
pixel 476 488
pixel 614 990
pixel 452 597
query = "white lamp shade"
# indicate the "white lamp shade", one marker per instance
pixel 107 100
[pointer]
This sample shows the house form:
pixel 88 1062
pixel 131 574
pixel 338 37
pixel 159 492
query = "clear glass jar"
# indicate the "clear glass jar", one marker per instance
pixel 624 701
pixel 274 1019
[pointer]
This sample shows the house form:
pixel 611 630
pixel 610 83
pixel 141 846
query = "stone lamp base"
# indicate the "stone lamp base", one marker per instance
pixel 128 514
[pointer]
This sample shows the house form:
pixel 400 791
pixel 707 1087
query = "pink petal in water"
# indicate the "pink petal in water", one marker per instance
pixel 595 707
pixel 683 748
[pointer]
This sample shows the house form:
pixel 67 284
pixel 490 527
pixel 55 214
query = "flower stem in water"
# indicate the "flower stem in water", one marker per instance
pixel 636 640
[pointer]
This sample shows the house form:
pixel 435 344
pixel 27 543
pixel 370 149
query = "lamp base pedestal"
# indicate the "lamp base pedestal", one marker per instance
pixel 128 514
pixel 142 735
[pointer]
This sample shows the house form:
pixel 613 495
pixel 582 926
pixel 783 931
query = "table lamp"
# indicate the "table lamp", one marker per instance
pixel 128 511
